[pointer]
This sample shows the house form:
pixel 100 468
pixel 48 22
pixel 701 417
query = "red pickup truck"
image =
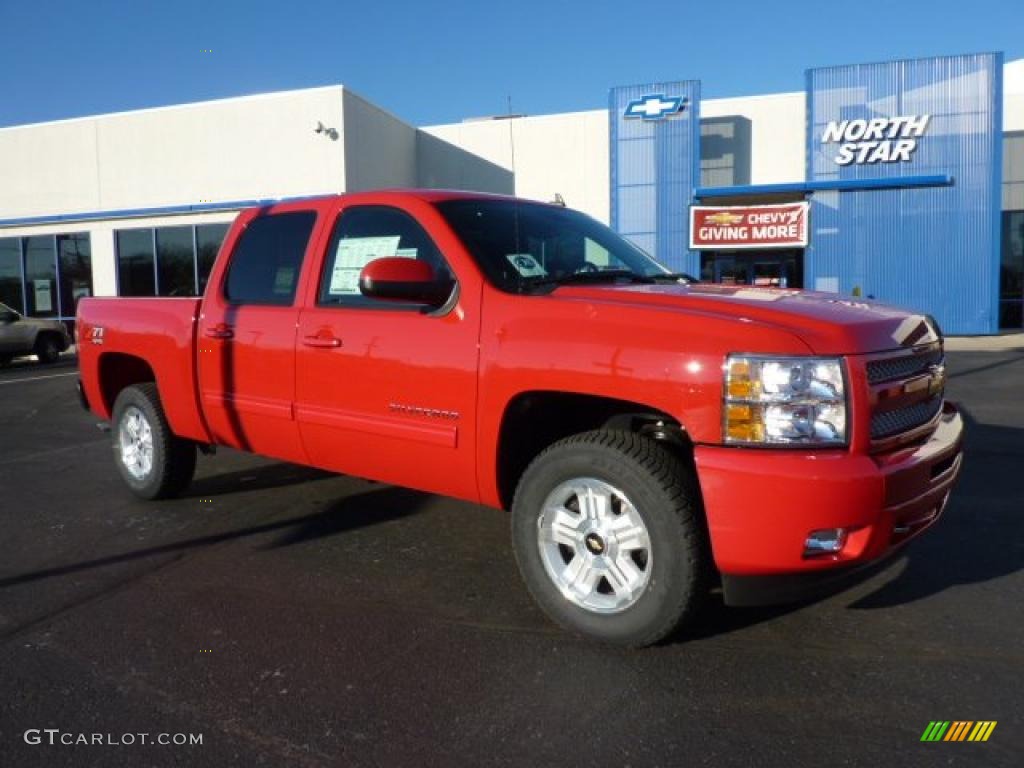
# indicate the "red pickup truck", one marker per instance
pixel 649 434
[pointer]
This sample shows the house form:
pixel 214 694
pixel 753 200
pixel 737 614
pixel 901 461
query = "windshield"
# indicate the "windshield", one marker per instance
pixel 521 246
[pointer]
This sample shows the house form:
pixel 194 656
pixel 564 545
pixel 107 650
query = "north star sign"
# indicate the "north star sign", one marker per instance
pixel 655 107
pixel 879 140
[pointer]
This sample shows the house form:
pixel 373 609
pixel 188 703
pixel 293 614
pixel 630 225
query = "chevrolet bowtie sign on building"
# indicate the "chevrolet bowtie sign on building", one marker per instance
pixel 656 107
pixel 898 197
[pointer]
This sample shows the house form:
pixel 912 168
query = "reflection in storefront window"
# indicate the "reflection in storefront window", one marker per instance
pixel 176 264
pixel 74 256
pixel 167 261
pixel 41 276
pixel 10 274
pixel 1011 271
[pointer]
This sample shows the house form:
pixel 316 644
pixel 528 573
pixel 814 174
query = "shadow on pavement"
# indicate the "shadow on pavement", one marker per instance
pixel 254 479
pixel 980 538
pixel 361 510
pixel 981 535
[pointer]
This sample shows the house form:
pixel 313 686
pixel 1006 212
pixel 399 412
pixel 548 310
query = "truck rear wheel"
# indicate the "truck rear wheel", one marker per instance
pixel 609 538
pixel 152 461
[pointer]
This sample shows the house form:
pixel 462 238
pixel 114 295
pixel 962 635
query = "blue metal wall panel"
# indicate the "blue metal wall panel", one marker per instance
pixel 655 166
pixel 935 249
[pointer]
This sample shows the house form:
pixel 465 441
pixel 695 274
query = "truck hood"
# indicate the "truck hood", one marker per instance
pixel 828 323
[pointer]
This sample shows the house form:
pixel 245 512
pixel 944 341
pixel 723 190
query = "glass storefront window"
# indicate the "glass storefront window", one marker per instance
pixel 10 273
pixel 74 254
pixel 208 240
pixel 41 276
pixel 182 256
pixel 175 261
pixel 135 275
pixel 1011 271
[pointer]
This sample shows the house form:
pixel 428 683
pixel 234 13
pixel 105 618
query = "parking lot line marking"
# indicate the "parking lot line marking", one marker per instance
pixel 39 378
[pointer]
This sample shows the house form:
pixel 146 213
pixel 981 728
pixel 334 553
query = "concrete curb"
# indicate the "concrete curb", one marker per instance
pixel 1005 342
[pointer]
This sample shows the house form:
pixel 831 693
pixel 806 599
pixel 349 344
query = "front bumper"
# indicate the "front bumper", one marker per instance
pixel 761 504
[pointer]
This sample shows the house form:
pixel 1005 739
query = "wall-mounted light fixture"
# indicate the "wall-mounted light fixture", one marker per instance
pixel 331 133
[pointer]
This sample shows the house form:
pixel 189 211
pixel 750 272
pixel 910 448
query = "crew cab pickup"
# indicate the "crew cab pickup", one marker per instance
pixel 649 434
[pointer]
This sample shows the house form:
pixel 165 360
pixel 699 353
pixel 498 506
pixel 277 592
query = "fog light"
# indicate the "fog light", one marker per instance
pixel 824 542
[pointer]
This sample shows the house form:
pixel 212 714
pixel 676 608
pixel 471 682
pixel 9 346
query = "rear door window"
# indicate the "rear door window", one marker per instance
pixel 267 261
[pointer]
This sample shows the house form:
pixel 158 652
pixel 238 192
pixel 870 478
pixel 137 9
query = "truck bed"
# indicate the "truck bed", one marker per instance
pixel 158 333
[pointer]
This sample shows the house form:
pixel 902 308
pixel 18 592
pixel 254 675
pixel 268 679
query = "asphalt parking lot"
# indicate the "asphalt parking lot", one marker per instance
pixel 297 618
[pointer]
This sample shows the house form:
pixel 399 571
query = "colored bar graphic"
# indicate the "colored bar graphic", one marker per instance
pixel 935 730
pixel 958 730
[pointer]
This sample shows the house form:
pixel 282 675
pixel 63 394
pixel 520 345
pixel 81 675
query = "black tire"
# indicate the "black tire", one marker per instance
pixel 47 348
pixel 663 491
pixel 173 459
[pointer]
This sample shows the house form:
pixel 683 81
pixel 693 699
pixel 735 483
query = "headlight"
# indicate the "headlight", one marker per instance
pixel 784 400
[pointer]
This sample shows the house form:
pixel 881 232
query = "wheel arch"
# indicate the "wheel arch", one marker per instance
pixel 535 419
pixel 119 370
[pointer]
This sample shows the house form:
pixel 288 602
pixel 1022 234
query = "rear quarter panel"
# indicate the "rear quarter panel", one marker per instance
pixel 159 331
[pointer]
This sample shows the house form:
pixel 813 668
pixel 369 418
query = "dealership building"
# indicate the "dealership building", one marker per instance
pixel 901 180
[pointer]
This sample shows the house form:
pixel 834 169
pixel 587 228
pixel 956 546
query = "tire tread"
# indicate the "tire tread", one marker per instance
pixel 679 486
pixel 180 454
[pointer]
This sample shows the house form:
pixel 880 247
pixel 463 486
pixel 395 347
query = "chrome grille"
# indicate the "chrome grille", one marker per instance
pixel 888 423
pixel 902 367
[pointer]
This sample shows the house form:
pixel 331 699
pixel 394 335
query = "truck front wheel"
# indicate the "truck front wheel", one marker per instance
pixel 152 461
pixel 608 534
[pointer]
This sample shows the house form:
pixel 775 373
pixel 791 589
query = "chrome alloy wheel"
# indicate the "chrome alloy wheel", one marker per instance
pixel 135 437
pixel 594 545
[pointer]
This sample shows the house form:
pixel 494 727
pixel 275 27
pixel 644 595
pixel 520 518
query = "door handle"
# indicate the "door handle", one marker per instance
pixel 323 342
pixel 220 331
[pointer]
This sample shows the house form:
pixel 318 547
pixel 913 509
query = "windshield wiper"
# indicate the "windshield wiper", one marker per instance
pixel 671 277
pixel 597 276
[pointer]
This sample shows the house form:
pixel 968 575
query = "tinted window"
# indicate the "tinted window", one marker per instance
pixel 175 261
pixel 41 276
pixel 371 232
pixel 75 256
pixel 1011 271
pixel 266 262
pixel 517 243
pixel 208 240
pixel 135 263
pixel 10 273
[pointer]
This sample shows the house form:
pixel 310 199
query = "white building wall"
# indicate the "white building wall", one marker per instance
pixel 442 165
pixel 380 149
pixel 246 148
pixel 1013 136
pixel 778 127
pixel 564 154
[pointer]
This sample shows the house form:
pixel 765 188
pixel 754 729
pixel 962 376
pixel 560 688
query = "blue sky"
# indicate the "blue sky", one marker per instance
pixel 440 62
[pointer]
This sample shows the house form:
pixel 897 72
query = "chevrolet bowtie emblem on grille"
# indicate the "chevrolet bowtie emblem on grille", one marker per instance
pixel 655 107
pixel 934 380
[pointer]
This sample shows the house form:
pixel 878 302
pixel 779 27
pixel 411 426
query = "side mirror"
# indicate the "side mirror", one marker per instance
pixel 395 278
pixel 7 316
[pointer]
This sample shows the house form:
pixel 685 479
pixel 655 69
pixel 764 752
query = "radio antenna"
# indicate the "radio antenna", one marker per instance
pixel 511 139
pixel 512 150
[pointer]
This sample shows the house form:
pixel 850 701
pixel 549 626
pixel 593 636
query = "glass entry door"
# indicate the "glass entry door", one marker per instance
pixel 768 269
